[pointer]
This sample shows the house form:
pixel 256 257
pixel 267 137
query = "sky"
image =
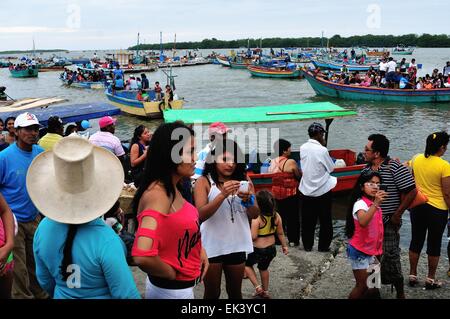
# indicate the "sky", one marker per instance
pixel 114 24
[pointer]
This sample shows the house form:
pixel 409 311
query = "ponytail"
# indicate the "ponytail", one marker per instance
pixel 67 253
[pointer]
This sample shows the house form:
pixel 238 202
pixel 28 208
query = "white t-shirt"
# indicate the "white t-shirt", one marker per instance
pixel 383 66
pixel 357 206
pixel 392 65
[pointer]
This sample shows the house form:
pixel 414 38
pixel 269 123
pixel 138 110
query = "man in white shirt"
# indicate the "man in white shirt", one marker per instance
pixel 316 185
pixel 390 75
pixel 383 67
pixel 105 137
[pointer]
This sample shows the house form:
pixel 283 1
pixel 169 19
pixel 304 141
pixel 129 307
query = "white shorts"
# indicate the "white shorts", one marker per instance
pixel 154 292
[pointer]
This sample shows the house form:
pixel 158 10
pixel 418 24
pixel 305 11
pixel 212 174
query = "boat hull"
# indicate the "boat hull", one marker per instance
pixel 143 109
pixel 271 73
pixel 339 66
pixel 223 61
pixel 322 87
pixel 28 73
pixel 85 85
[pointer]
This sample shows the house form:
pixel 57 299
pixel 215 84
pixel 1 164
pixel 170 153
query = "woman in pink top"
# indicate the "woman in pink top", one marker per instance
pixel 6 246
pixel 168 243
pixel 364 227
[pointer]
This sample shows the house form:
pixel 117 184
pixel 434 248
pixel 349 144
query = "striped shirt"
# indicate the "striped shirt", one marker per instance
pixel 398 180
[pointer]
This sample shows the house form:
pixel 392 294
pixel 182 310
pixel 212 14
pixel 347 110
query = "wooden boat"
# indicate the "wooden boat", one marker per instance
pixel 378 54
pixel 30 72
pixel 27 103
pixel 352 92
pixel 223 60
pixel 346 176
pixel 127 102
pixel 268 72
pixel 85 85
pixel 339 65
pixel 402 50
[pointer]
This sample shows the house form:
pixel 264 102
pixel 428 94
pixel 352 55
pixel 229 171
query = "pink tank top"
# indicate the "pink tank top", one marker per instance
pixel 369 239
pixel 176 240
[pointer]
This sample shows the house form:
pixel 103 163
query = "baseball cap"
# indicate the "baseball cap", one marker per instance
pixel 26 119
pixel 315 128
pixel 218 128
pixel 105 121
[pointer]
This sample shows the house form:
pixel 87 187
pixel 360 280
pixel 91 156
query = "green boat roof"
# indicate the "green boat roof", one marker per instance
pixel 258 114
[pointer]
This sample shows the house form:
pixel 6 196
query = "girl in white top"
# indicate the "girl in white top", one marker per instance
pixel 224 211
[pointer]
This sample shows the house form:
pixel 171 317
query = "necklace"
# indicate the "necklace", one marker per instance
pixel 231 208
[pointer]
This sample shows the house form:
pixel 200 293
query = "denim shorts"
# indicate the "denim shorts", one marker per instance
pixel 358 259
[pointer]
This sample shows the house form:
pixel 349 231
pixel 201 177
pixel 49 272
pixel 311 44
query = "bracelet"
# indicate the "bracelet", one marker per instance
pixel 250 202
pixel 376 205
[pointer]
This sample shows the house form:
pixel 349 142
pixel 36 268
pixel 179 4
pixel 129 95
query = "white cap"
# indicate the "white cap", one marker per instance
pixel 26 119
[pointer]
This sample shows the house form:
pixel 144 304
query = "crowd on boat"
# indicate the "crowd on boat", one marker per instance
pixel 391 75
pixel 84 76
pixel 197 213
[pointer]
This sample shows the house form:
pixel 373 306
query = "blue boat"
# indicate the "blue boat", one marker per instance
pixel 352 92
pixel 70 113
pixel 339 65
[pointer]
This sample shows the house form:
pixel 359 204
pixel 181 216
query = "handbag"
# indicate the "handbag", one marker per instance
pixel 419 199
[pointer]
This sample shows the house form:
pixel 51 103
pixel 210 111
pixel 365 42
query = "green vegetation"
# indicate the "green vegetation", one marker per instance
pixel 369 40
pixel 31 51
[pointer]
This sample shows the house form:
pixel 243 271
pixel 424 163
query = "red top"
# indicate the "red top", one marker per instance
pixel 369 239
pixel 176 240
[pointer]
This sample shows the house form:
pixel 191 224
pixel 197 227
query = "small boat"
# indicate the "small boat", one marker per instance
pixel 126 100
pixel 273 72
pixel 346 176
pixel 376 53
pixel 331 65
pixel 5 64
pixel 85 85
pixel 223 60
pixel 29 72
pixel 402 50
pixel 352 92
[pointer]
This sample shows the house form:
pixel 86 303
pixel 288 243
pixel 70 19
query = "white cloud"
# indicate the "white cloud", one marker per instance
pixel 34 29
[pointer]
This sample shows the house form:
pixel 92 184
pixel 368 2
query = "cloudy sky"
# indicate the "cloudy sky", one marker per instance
pixel 114 24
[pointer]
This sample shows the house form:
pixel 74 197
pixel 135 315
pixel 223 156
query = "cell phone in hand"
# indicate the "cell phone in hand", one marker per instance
pixel 383 187
pixel 243 186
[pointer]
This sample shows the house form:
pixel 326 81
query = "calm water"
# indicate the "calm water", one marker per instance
pixel 213 86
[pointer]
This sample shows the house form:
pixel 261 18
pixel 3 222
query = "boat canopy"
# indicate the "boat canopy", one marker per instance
pixel 259 114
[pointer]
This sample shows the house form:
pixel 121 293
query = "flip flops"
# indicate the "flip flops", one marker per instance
pixel 413 281
pixel 432 284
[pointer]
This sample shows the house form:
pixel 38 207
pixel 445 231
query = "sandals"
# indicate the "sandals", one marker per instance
pixel 259 291
pixel 413 281
pixel 432 284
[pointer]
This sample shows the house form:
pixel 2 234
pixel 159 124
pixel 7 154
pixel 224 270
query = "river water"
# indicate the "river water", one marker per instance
pixel 213 86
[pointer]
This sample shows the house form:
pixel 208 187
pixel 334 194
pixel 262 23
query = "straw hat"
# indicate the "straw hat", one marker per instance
pixel 76 182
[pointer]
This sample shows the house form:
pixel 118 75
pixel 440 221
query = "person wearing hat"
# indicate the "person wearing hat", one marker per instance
pixel 106 138
pixel 77 254
pixel 14 163
pixel 55 132
pixel 316 185
pixel 216 130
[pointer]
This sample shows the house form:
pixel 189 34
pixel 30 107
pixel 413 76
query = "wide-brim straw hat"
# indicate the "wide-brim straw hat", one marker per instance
pixel 76 182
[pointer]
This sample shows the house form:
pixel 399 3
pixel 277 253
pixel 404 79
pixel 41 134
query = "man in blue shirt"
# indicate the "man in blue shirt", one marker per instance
pixel 14 163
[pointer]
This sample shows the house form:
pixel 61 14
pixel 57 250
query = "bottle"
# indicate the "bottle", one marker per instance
pixel 265 166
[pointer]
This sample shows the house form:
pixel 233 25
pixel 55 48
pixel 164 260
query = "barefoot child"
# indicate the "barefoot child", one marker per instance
pixel 264 229
pixel 364 228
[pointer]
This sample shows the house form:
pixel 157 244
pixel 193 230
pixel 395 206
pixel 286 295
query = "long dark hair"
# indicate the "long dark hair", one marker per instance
pixel 357 193
pixel 226 145
pixel 67 252
pixel 137 134
pixel 435 141
pixel 160 166
pixel 266 204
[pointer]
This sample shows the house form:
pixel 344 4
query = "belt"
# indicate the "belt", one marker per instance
pixel 173 284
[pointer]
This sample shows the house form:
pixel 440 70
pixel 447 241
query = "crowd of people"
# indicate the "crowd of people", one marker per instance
pixel 391 75
pixel 197 214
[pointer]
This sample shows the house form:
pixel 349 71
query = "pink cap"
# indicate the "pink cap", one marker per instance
pixel 106 120
pixel 217 128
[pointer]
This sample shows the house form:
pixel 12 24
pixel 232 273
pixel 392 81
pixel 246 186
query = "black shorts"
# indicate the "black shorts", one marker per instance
pixel 230 259
pixel 262 257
